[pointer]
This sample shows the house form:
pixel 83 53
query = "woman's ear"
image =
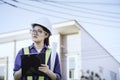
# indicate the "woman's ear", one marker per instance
pixel 46 35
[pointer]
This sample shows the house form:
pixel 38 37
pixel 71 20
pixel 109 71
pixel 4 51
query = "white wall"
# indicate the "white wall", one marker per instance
pixel 70 50
pixel 7 50
pixel 94 57
pixel 22 44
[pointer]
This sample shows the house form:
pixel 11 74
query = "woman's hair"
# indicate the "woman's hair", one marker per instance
pixel 46 41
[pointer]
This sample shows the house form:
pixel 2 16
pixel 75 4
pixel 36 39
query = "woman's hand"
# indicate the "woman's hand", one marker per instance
pixel 18 74
pixel 45 68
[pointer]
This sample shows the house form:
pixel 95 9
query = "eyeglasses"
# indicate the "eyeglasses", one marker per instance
pixel 32 31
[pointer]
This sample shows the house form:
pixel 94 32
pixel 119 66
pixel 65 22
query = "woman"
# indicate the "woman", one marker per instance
pixel 41 31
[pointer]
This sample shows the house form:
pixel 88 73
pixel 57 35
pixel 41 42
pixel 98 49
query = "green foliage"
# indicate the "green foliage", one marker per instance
pixel 91 75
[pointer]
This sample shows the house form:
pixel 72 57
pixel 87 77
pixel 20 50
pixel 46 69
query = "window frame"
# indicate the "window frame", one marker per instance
pixel 4 64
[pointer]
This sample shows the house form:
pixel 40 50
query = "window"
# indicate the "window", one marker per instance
pixel 3 68
pixel 113 75
pixel 101 69
pixel 71 73
pixel 71 67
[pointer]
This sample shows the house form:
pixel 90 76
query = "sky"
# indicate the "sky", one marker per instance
pixel 101 18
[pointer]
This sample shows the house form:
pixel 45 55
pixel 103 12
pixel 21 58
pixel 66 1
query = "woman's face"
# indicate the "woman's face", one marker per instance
pixel 38 34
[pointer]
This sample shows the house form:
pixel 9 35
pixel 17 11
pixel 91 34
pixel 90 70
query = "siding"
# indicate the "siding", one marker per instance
pixel 95 57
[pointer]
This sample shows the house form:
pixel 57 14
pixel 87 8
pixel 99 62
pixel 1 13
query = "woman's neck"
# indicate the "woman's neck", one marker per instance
pixel 38 45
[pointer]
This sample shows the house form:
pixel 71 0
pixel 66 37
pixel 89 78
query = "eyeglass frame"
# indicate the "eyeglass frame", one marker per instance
pixel 33 31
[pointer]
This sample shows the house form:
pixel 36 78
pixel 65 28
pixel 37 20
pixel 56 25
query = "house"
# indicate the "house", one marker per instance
pixel 80 54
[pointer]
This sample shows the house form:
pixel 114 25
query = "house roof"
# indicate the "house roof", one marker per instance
pixel 67 27
pixel 73 26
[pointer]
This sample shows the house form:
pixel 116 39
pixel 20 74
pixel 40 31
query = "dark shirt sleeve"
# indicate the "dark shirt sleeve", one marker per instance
pixel 57 68
pixel 17 63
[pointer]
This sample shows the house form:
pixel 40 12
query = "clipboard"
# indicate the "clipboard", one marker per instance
pixel 30 64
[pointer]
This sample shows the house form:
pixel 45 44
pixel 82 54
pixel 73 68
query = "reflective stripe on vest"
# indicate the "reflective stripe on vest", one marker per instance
pixel 47 55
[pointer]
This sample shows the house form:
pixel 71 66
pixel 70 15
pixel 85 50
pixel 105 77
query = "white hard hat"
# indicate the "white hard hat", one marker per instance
pixel 44 22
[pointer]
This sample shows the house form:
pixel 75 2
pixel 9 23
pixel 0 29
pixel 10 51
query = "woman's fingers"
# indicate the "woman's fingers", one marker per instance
pixel 44 68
